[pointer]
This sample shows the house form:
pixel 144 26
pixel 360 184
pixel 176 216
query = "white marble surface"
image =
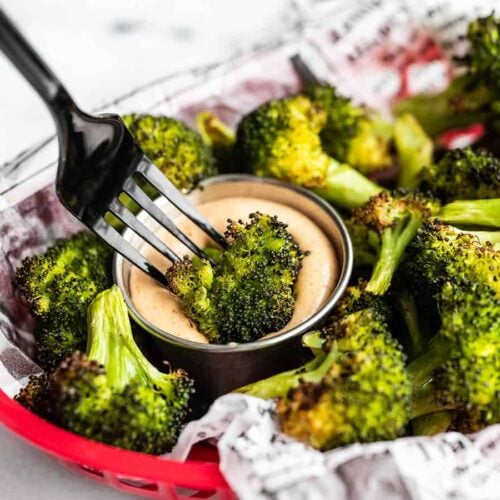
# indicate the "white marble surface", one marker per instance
pixel 101 49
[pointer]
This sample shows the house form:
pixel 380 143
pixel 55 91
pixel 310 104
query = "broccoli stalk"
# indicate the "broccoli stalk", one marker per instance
pixel 219 137
pixel 432 423
pixel 470 98
pixel 113 394
pixel 384 227
pixel 281 139
pixel 484 213
pixel 414 149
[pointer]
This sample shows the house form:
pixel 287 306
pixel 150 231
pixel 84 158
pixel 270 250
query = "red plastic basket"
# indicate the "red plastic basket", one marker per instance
pixel 128 471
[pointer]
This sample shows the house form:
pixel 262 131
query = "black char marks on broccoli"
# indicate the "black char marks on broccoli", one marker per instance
pixel 382 228
pixel 463 174
pixel 57 287
pixel 250 292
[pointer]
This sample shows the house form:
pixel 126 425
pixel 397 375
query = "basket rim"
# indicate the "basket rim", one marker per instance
pixel 67 446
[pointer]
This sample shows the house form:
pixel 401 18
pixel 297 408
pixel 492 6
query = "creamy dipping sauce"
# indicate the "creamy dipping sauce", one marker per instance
pixel 315 282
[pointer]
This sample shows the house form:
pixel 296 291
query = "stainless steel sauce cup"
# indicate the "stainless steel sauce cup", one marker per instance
pixel 218 369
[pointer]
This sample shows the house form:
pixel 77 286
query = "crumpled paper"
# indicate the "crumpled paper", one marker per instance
pixel 374 50
pixel 259 462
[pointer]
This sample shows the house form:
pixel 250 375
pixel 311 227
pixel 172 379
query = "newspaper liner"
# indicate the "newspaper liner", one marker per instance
pixel 375 51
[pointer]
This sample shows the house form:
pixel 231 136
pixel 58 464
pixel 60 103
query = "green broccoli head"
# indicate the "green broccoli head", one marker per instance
pixel 363 397
pixel 463 174
pixel 57 287
pixel 356 387
pixel 382 228
pixel 112 394
pixel 250 291
pixel 281 139
pixel 458 276
pixel 352 134
pixel 174 148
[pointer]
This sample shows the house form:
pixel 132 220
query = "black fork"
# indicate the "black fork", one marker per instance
pixel 98 161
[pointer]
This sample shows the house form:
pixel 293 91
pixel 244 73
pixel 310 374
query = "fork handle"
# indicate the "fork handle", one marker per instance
pixel 32 67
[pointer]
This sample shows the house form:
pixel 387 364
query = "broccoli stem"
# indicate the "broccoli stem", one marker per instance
pixel 484 237
pixel 414 148
pixel 421 372
pixel 393 244
pixel 213 131
pixel 472 212
pixel 408 309
pixel 279 385
pixel 457 106
pixel 346 187
pixel 432 423
pixel 110 338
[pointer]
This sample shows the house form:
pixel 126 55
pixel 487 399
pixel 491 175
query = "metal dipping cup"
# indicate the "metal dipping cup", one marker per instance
pixel 218 369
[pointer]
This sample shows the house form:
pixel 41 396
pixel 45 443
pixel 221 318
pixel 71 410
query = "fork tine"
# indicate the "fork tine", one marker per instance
pixel 130 220
pixel 116 241
pixel 154 176
pixel 140 197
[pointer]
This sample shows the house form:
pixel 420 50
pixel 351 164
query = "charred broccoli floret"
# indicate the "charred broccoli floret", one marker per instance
pixel 250 290
pixel 352 134
pixel 112 394
pixel 463 174
pixel 455 281
pixel 382 228
pixel 57 287
pixel 355 390
pixel 470 98
pixel 174 148
pixel 281 139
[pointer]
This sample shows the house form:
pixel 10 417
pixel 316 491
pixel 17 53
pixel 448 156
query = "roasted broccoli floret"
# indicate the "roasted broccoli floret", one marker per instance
pixel 281 139
pixel 352 134
pixel 250 290
pixel 57 287
pixel 355 390
pixel 455 282
pixel 219 136
pixel 382 228
pixel 414 150
pixel 174 148
pixel 112 394
pixel 462 174
pixel 470 98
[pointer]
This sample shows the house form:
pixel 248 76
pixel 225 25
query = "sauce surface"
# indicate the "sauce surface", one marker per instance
pixel 315 282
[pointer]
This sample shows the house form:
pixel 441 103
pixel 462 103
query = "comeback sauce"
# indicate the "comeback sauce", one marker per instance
pixel 315 282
